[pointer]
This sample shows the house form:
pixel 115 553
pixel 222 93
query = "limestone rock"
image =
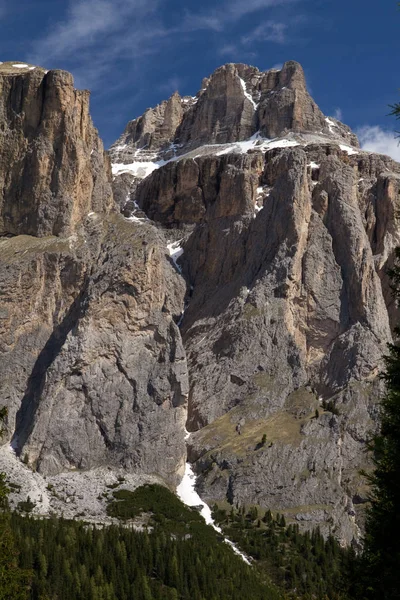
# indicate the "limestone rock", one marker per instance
pixel 234 103
pixel 285 256
pixel 92 368
pixel 53 169
pixel 248 285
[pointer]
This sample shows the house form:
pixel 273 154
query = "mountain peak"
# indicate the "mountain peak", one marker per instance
pixel 237 102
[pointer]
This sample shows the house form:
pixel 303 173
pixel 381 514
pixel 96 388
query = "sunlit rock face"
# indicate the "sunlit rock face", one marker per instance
pixel 242 292
pixel 287 230
pixel 53 169
pixel 92 368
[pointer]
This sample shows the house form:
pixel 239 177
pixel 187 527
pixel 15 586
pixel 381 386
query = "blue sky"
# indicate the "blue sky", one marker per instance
pixel 134 53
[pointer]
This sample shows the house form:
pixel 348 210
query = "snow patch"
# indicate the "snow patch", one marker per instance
pixel 284 143
pixel 21 66
pixel 348 149
pixel 144 168
pixel 263 192
pixel 248 96
pixel 135 219
pixel 313 165
pixel 175 251
pixel 187 493
pixel 191 99
pixel 330 124
pixel 258 142
pixel 138 169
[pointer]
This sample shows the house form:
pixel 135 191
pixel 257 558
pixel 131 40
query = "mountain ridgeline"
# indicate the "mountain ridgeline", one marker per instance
pixel 222 270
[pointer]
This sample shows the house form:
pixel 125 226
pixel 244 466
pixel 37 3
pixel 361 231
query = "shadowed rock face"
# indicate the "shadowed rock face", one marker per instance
pixel 286 248
pixel 92 368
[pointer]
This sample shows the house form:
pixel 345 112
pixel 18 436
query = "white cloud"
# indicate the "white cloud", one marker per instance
pixel 173 84
pixel 338 114
pixel 229 12
pixel 375 139
pixel 269 31
pixel 228 50
pixel 193 22
pixel 86 22
pixel 238 8
pixel 95 34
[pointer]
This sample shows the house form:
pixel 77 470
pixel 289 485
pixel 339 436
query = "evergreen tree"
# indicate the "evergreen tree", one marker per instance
pixel 381 557
pixel 14 582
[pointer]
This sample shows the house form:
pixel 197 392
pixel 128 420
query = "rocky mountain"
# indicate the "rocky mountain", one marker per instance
pixel 93 370
pixel 242 293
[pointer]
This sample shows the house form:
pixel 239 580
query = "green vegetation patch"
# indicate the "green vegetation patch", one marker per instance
pixel 166 510
pixel 281 427
pixel 305 565
pixel 23 246
pixel 71 560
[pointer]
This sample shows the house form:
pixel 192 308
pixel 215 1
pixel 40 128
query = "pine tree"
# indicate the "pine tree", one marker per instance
pixel 14 582
pixel 381 558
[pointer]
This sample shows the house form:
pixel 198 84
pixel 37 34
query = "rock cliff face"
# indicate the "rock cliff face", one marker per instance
pixel 93 369
pixel 233 103
pixel 242 293
pixel 53 169
pixel 287 230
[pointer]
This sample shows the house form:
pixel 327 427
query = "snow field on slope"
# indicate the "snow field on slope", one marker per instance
pixel 248 96
pixel 175 250
pixel 187 493
pixel 138 169
pixel 142 169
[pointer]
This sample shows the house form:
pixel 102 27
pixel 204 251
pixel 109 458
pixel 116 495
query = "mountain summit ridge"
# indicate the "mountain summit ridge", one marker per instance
pixel 237 103
pixel 234 103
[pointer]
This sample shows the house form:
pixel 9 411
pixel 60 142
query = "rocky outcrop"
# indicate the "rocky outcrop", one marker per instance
pixel 234 103
pixel 109 386
pixel 191 191
pixel 294 328
pixel 286 246
pixel 53 169
pixel 93 369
